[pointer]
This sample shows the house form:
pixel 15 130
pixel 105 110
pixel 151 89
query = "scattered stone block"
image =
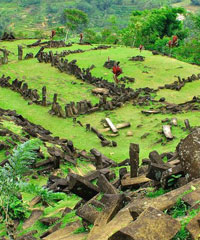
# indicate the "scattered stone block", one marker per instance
pixel 151 224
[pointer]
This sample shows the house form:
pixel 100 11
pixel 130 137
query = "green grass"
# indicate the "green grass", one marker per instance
pixel 162 70
pixel 156 193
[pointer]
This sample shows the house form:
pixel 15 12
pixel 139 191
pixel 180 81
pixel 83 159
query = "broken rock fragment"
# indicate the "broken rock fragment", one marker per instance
pixel 152 224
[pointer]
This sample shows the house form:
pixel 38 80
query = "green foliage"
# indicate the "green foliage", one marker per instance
pixel 147 26
pixel 179 209
pixel 11 205
pixel 46 195
pixel 80 230
pixel 16 209
pixel 157 193
pixel 183 233
pixel 75 19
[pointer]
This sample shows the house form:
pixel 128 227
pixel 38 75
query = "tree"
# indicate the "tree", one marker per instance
pixel 11 204
pixel 75 20
pixel 149 25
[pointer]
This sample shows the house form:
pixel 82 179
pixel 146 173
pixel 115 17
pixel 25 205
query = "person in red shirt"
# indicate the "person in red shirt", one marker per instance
pixel 53 33
pixel 170 43
pixel 174 41
pixel 81 37
pixel 141 47
pixel 117 71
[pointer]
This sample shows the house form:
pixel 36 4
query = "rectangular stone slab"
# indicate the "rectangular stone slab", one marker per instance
pixel 106 216
pixel 194 227
pixel 134 182
pixel 163 202
pixel 111 125
pixel 152 224
pixel 81 187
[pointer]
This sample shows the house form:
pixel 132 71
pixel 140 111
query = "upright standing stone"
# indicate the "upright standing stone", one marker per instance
pixel 20 52
pixel 134 159
pixel 5 56
pixel 44 97
pixel 187 123
pixel 98 158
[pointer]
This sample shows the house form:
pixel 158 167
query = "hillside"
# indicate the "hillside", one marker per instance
pixel 30 18
pixel 69 119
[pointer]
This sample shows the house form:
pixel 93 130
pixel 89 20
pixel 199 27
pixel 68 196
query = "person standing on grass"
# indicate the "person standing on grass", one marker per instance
pixel 81 37
pixel 53 33
pixel 116 71
pixel 141 47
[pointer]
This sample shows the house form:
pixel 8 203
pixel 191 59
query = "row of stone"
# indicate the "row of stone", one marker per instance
pixel 177 85
pixel 26 92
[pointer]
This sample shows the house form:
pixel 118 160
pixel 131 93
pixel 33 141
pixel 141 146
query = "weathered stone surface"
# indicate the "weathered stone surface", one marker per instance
pixel 134 159
pixel 113 206
pixel 105 186
pixel 163 202
pixel 82 187
pixel 167 132
pixel 49 220
pixel 88 213
pixel 189 154
pixel 152 224
pixel 134 182
pixel 192 198
pixel 35 215
pixel 194 227
pixel 155 157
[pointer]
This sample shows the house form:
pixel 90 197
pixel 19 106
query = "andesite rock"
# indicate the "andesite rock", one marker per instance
pixel 189 154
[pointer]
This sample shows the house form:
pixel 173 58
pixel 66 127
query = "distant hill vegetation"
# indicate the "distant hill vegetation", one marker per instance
pixel 27 17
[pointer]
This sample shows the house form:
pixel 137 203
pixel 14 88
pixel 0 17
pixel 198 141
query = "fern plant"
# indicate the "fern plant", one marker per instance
pixel 11 180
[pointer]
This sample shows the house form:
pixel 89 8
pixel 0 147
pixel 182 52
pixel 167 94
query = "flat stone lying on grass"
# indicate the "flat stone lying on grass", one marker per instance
pixel 134 182
pixel 151 224
pixel 167 132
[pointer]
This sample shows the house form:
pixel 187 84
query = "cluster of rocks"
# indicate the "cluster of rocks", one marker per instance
pixel 26 92
pixel 63 150
pixel 126 210
pixel 109 202
pixel 137 58
pixel 4 58
pixel 72 109
pixel 177 85
pixel 49 44
pixel 7 36
pixel 193 105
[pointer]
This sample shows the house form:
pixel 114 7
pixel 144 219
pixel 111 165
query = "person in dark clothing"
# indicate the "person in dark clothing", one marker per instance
pixel 117 71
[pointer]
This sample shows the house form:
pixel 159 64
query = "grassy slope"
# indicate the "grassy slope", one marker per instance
pixel 65 128
pixel 38 75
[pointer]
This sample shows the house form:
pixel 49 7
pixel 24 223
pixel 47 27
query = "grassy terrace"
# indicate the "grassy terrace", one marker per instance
pixel 153 72
pixel 161 70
